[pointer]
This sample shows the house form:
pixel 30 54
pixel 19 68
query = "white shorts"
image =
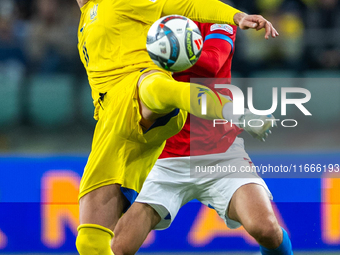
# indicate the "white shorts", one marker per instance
pixel 169 185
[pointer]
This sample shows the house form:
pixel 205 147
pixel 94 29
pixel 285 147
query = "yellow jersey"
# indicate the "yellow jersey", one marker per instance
pixel 112 33
pixel 112 45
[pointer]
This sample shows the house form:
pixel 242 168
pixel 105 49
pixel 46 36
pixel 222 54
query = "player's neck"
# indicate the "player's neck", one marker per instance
pixel 81 3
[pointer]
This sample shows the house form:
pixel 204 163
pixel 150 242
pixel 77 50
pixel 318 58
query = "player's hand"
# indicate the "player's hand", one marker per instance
pixel 263 126
pixel 245 21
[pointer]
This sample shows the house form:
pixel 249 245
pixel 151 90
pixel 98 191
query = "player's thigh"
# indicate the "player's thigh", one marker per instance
pixel 133 228
pixel 250 203
pixel 102 206
pixel 218 192
pixel 251 207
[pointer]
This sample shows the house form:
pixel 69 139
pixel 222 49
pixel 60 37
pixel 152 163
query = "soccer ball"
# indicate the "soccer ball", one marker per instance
pixel 174 43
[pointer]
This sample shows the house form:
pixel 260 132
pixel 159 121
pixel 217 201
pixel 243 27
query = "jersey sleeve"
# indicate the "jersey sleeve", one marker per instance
pixel 204 11
pixel 218 45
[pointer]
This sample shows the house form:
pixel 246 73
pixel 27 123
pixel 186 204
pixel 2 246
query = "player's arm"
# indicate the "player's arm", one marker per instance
pixel 216 50
pixel 214 11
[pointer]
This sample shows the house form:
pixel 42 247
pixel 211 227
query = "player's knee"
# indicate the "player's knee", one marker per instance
pixel 266 232
pixel 94 239
pixel 122 250
pixel 150 90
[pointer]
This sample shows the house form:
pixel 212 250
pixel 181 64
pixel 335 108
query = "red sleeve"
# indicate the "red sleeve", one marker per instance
pixel 218 45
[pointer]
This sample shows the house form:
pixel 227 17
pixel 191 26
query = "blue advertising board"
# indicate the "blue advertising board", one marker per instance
pixel 38 200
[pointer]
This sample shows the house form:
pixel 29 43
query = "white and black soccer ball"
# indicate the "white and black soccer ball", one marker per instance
pixel 174 43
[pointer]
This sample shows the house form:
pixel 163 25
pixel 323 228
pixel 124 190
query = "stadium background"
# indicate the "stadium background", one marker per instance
pixel 46 129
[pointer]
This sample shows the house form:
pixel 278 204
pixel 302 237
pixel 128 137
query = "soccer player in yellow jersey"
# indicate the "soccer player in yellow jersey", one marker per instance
pixel 137 105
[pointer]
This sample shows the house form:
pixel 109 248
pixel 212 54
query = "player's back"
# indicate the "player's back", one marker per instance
pixel 112 37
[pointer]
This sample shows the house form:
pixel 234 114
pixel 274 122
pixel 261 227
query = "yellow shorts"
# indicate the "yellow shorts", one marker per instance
pixel 121 153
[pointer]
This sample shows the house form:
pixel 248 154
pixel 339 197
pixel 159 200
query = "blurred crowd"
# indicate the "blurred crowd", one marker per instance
pixel 42 78
pixel 309 35
pixel 40 36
